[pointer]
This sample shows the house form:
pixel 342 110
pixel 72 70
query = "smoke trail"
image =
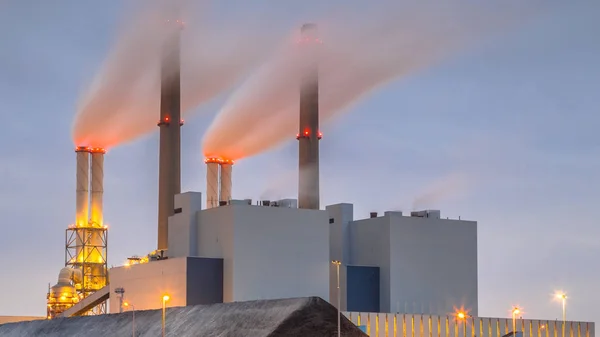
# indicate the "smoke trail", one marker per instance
pixel 358 56
pixel 124 99
pixel 452 185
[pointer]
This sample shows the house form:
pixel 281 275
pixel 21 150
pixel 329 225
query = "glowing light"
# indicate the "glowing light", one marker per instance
pixel 461 315
pixel 218 160
pixel 165 298
pixel 126 304
pixel 336 262
pixel 560 295
pixel 516 311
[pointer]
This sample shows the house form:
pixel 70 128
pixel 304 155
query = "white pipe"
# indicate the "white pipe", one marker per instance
pixel 82 198
pixel 225 193
pixel 212 184
pixel 66 275
pixel 97 188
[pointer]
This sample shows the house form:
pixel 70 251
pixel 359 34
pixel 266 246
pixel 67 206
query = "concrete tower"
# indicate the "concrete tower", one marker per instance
pixel 169 170
pixel 308 134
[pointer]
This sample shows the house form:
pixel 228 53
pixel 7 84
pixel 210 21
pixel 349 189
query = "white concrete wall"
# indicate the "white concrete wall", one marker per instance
pixel 215 240
pixel 183 227
pixel 145 284
pixel 401 325
pixel 339 249
pixel 339 232
pixel 433 265
pixel 267 252
pixel 370 246
pixel 280 252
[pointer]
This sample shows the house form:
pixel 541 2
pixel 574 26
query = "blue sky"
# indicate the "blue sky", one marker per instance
pixel 515 119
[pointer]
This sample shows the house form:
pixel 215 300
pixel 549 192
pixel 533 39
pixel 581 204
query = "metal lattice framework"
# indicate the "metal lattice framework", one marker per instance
pixel 86 250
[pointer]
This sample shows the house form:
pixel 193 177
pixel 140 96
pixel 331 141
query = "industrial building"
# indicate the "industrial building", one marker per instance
pixel 271 249
pixel 243 250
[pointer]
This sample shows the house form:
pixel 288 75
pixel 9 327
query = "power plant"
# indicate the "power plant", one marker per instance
pixel 222 250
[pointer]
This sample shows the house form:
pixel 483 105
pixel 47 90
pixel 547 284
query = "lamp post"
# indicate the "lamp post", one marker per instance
pixel 563 298
pixel 462 316
pixel 515 312
pixel 126 304
pixel 165 298
pixel 339 314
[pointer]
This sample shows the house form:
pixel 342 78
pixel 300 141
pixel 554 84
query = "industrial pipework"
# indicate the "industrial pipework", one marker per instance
pixel 169 169
pixel 63 294
pixel 309 135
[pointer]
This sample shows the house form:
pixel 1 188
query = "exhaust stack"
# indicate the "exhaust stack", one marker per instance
pixel 82 207
pixel 309 135
pixel 225 179
pixel 212 182
pixel 169 171
pixel 96 213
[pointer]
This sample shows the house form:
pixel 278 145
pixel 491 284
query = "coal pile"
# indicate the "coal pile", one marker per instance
pixel 296 317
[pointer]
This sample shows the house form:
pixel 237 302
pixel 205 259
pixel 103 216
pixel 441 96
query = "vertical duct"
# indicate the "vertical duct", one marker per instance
pixel 96 213
pixel 82 198
pixel 308 135
pixel 169 171
pixel 225 192
pixel 212 182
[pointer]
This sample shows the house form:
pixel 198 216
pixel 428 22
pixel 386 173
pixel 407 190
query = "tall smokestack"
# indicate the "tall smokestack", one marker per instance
pixel 212 182
pixel 96 213
pixel 82 198
pixel 225 192
pixel 169 170
pixel 309 135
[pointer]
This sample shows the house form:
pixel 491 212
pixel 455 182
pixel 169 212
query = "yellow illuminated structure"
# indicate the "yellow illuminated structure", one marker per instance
pixel 63 294
pixel 86 251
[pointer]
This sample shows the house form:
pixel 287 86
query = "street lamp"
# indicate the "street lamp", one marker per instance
pixel 563 298
pixel 462 316
pixel 339 328
pixel 127 304
pixel 165 298
pixel 515 312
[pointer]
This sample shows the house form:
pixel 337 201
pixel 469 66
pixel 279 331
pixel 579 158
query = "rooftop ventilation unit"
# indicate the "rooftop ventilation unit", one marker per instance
pixel 288 203
pixel 434 214
pixel 373 215
pixel 266 202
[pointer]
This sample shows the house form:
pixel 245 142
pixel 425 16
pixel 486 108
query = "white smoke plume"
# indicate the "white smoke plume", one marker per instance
pixel 123 101
pixel 360 52
pixel 453 185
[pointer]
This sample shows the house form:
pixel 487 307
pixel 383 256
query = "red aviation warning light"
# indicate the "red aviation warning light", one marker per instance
pixel 167 121
pixel 306 134
pixel 179 23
